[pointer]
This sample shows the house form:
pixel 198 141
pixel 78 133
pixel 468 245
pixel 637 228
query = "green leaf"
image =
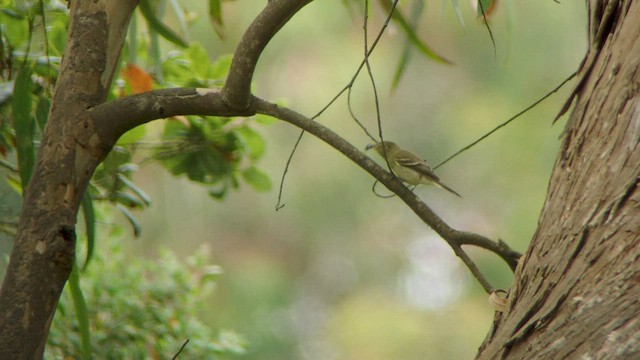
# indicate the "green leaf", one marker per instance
pixel 6 91
pixel 158 26
pixel 90 225
pixel 106 175
pixel 253 142
pixel 136 190
pixel 14 183
pixel 129 200
pixel 219 69
pixel 118 156
pixel 57 35
pixel 14 28
pixel 80 306
pixel 42 111
pixel 411 33
pixel 257 179
pixel 199 60
pixel 215 14
pixel 11 13
pixel 23 124
pixel 264 119
pixel 416 12
pixel 135 224
pixel 202 151
pixel 132 136
pixel 219 192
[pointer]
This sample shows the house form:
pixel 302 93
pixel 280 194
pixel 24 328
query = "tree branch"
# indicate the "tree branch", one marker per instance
pixel 110 120
pixel 453 237
pixel 114 118
pixel 237 89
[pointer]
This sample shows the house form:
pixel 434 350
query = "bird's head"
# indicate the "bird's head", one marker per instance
pixel 388 145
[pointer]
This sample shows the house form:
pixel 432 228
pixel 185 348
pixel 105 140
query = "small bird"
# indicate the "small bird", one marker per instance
pixel 408 166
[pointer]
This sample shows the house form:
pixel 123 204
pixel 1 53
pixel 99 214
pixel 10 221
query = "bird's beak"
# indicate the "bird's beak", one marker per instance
pixel 369 146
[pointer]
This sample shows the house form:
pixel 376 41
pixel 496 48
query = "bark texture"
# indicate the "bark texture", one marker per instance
pixel 43 252
pixel 577 292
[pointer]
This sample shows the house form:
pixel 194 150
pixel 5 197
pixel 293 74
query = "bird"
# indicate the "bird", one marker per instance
pixel 408 166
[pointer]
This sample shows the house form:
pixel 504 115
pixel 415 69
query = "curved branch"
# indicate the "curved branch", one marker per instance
pixel 453 237
pixel 237 89
pixel 112 119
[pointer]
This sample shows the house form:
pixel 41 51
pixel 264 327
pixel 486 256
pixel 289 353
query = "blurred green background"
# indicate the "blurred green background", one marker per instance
pixel 339 273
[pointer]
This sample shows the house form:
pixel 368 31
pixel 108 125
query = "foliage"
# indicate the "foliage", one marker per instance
pixel 217 152
pixel 209 150
pixel 143 309
pixel 213 151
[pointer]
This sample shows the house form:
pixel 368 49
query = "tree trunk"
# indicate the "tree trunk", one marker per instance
pixel 43 253
pixel 577 291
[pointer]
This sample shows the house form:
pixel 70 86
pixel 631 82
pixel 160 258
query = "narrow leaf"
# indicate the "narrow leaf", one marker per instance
pixel 456 6
pixel 129 200
pixel 136 190
pixel 80 306
pixel 158 26
pixel 23 124
pixel 135 224
pixel 14 183
pixel 42 111
pixel 416 12
pixel 215 14
pixel 408 29
pixel 219 192
pixel 180 13
pixel 90 225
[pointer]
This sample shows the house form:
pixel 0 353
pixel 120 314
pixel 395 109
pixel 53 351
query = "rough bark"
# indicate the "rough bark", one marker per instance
pixel 577 292
pixel 43 252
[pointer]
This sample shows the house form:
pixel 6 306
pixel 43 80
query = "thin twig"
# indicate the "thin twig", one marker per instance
pixel 451 236
pixel 486 23
pixel 355 118
pixel 362 63
pixel 373 190
pixel 348 87
pixel 179 351
pixel 473 268
pixel 373 83
pixel 279 204
pixel 508 121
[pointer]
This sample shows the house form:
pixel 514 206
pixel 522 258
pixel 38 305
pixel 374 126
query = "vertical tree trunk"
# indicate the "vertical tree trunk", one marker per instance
pixel 577 292
pixel 43 253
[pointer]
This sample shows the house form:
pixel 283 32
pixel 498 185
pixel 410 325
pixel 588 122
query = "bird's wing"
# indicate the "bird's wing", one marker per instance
pixel 412 161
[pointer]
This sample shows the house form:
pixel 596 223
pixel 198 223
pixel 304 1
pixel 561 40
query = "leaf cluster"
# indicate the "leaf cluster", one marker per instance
pixel 217 152
pixel 144 309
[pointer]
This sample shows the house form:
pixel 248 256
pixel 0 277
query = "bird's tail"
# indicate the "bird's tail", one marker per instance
pixel 442 185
